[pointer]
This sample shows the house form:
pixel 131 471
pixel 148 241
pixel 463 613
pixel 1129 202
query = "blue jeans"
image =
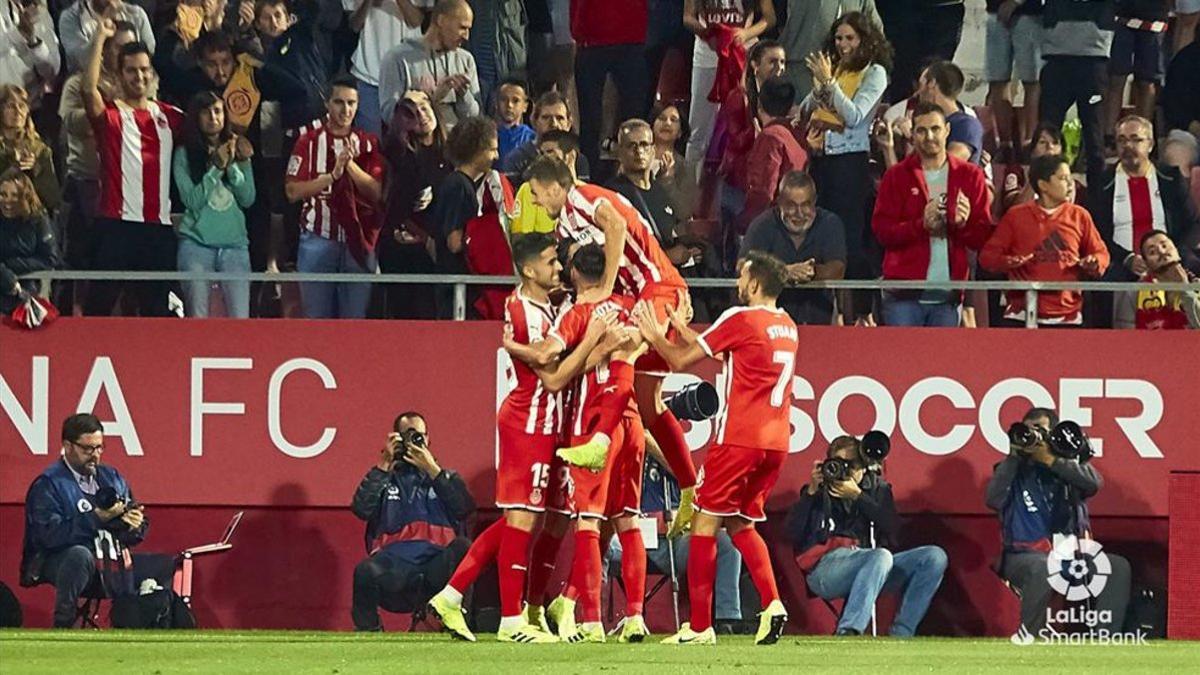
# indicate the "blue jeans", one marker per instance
pixel 860 574
pixel 369 117
pixel 904 312
pixel 727 590
pixel 332 300
pixel 196 257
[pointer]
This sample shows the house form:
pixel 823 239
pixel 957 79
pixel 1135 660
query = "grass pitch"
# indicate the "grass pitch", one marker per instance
pixel 156 652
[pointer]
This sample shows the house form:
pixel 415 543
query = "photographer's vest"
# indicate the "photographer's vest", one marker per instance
pixel 71 502
pixel 412 523
pixel 1039 506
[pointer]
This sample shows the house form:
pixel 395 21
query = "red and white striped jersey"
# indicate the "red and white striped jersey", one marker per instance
pixel 135 147
pixel 315 153
pixel 528 405
pixel 760 345
pixel 643 264
pixel 569 330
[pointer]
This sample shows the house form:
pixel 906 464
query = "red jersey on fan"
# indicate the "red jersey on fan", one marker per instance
pixel 569 330
pixel 643 264
pixel 529 407
pixel 760 344
pixel 315 153
pixel 135 147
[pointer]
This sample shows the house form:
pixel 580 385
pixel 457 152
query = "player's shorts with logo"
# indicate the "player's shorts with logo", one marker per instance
pixel 735 481
pixel 616 489
pixel 529 476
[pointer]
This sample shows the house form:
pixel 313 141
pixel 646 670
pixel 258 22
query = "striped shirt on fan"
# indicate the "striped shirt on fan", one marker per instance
pixel 315 153
pixel 135 147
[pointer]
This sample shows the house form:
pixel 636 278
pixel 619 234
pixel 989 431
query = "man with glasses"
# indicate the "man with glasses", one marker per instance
pixel 635 181
pixel 68 536
pixel 810 241
pixel 1138 195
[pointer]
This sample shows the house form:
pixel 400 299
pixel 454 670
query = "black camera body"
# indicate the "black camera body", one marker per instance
pixel 834 470
pixel 414 437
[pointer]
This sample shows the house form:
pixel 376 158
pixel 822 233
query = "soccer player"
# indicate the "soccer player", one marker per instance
pixel 613 493
pixel 635 266
pixel 758 342
pixel 529 419
pixel 135 139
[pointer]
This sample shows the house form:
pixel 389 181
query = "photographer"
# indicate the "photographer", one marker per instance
pixel 844 529
pixel 415 512
pixel 1040 494
pixel 80 517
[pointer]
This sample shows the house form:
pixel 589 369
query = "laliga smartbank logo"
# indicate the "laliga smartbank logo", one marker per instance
pixel 1079 571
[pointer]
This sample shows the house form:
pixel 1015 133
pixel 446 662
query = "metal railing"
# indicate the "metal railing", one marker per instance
pixel 461 281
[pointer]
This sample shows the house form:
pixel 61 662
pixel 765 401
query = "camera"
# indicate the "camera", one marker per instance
pixel 695 402
pixel 107 497
pixel 1065 440
pixel 875 447
pixel 835 470
pixel 414 437
pixel 1025 437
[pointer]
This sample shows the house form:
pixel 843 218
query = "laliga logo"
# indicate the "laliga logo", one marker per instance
pixel 1078 569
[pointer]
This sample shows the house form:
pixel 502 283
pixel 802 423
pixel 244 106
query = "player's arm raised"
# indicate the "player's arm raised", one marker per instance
pixel 680 356
pixel 612 224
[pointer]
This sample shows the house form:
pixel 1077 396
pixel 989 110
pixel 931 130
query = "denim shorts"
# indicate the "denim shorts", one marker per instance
pixel 1018 49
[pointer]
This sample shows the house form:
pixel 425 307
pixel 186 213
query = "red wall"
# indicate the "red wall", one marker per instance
pixel 296 548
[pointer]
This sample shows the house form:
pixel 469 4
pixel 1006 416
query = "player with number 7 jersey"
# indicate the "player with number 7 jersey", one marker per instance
pixel 758 342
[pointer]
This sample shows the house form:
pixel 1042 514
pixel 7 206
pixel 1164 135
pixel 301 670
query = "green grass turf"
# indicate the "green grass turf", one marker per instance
pixel 306 652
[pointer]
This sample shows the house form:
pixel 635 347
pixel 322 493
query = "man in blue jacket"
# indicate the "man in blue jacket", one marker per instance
pixel 66 530
pixel 415 512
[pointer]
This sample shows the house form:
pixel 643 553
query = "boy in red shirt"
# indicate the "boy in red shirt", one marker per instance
pixel 1049 239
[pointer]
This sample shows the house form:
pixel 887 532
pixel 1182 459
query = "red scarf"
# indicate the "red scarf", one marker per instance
pixel 731 61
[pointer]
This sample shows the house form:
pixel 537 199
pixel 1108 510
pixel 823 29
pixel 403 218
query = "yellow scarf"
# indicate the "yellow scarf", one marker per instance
pixel 848 82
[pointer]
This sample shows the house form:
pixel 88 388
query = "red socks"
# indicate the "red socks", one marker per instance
pixel 541 566
pixel 483 551
pixel 701 574
pixel 750 544
pixel 669 434
pixel 511 567
pixel 585 574
pixel 633 570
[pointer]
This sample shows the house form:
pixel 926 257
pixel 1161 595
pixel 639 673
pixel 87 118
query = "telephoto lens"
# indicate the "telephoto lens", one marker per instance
pixel 1068 441
pixel 875 446
pixel 1022 435
pixel 695 402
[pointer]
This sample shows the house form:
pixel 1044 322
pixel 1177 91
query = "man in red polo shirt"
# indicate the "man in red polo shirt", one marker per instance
pixel 135 137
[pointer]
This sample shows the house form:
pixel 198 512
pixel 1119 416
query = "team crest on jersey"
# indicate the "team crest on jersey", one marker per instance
pixel 293 165
pixel 1010 182
pixel 535 497
pixel 83 505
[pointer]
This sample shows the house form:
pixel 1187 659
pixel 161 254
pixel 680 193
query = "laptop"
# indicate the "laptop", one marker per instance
pixel 222 545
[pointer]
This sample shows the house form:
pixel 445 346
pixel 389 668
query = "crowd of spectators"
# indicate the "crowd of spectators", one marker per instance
pixel 377 135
